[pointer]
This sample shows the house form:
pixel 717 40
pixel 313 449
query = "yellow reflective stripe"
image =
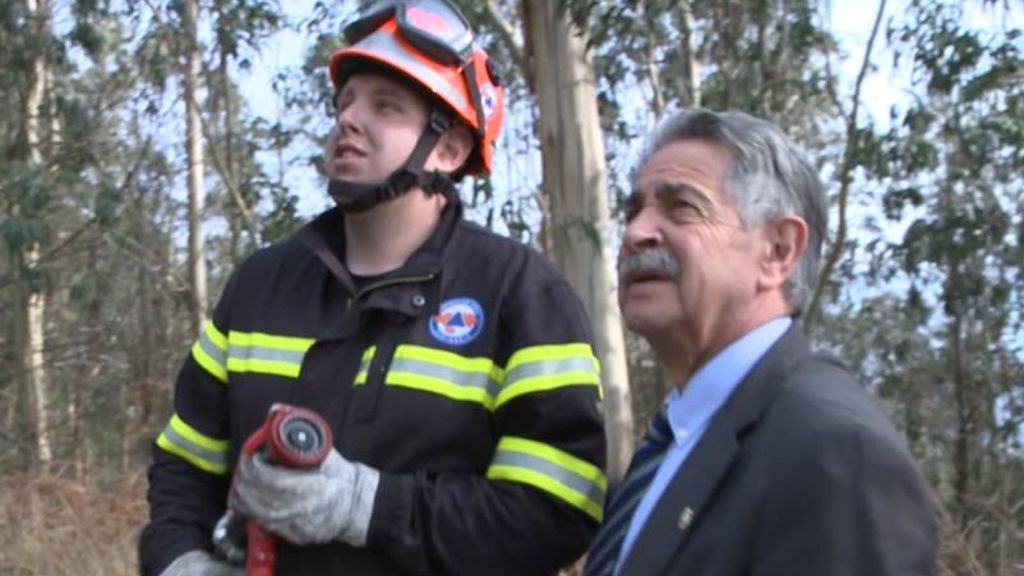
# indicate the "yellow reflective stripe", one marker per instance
pixel 273 341
pixel 364 366
pixel 210 351
pixel 549 366
pixel 479 380
pixel 203 452
pixel 276 368
pixel 216 336
pixel 439 387
pixel 266 353
pixel 450 359
pixel 570 479
pixel 548 352
pixel 445 373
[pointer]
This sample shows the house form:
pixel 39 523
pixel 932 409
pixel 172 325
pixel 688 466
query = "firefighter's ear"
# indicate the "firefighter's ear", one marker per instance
pixel 452 149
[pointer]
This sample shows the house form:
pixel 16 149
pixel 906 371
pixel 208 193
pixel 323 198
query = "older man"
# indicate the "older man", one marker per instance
pixel 765 459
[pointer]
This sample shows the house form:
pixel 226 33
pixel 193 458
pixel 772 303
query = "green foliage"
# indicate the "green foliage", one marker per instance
pixel 29 197
pixel 155 60
pixel 895 200
pixel 283 218
pixel 948 172
pixel 107 205
pixel 83 289
pixel 244 23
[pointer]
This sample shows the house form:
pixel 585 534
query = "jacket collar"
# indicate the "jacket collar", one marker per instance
pixel 689 491
pixel 325 237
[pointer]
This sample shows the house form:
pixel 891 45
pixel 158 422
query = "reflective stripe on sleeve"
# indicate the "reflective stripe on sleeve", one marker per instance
pixel 203 452
pixel 445 373
pixel 211 350
pixel 546 367
pixel 266 353
pixel 566 477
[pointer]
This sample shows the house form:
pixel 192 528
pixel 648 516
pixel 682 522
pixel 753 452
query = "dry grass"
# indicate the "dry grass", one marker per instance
pixel 956 556
pixel 55 527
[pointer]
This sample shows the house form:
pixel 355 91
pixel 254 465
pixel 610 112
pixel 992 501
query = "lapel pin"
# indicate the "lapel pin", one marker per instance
pixel 685 518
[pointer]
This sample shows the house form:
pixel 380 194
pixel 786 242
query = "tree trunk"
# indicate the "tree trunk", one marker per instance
pixel 691 78
pixel 144 390
pixel 32 299
pixel 20 415
pixel 576 188
pixel 194 154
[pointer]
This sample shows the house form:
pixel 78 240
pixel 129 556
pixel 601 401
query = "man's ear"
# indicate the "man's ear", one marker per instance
pixel 452 149
pixel 785 239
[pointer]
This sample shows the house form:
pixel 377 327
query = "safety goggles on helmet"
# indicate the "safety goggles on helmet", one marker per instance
pixel 434 27
pixel 429 42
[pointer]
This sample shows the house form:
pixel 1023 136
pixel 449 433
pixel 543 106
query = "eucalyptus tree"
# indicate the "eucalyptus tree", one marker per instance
pixel 575 187
pixel 950 169
pixel 235 138
pixel 26 169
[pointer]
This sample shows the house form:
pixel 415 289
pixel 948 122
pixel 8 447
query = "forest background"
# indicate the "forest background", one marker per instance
pixel 147 148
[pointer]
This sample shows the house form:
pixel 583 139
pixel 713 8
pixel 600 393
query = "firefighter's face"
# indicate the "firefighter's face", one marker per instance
pixel 377 124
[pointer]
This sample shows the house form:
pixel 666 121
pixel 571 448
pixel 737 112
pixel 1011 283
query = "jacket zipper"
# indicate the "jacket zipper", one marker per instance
pixel 366 407
pixel 390 282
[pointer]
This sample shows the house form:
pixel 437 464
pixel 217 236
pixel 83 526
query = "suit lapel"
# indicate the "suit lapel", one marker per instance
pixel 686 497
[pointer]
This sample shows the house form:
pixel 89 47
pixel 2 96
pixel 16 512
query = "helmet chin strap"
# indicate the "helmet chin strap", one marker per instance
pixel 356 197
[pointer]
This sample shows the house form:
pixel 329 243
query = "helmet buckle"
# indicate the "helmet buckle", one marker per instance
pixel 440 119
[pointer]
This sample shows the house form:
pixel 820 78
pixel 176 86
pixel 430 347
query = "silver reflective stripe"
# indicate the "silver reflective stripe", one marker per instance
pixel 549 368
pixel 216 354
pixel 220 458
pixel 385 44
pixel 269 354
pixel 584 486
pixel 480 380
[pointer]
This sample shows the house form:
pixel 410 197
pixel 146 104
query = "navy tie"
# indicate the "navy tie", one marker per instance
pixel 608 544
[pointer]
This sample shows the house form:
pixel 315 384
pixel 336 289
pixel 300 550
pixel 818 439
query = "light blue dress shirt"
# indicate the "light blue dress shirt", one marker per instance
pixel 690 411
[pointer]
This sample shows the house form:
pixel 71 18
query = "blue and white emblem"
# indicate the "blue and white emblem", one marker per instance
pixel 459 321
pixel 488 100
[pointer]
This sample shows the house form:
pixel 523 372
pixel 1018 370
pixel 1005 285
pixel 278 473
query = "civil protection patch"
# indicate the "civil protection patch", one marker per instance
pixel 488 100
pixel 459 321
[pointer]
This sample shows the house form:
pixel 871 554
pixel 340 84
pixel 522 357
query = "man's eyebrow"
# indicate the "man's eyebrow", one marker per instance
pixel 390 93
pixel 376 92
pixel 670 190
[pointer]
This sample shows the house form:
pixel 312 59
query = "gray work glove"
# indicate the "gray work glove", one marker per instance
pixel 200 563
pixel 332 502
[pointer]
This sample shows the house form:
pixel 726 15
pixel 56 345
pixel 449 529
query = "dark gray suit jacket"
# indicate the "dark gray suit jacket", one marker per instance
pixel 799 473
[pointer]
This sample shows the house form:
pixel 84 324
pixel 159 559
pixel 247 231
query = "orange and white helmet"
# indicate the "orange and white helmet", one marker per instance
pixel 431 43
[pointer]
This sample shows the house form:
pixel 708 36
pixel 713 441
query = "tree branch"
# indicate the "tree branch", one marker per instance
pixel 236 194
pixel 508 35
pixel 845 175
pixel 225 177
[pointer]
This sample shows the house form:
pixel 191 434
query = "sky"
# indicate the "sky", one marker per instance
pixel 851 21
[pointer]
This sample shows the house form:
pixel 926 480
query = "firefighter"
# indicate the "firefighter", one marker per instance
pixel 455 367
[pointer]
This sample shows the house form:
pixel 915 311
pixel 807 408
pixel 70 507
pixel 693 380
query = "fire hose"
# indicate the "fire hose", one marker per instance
pixel 290 436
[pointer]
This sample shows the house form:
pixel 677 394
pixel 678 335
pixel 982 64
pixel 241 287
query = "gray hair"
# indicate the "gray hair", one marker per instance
pixel 769 177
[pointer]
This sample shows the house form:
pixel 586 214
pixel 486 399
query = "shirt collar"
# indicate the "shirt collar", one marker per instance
pixel 711 385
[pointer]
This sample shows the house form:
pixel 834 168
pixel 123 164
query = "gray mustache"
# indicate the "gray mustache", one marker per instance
pixel 655 259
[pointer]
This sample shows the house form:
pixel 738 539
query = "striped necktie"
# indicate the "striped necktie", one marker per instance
pixel 605 550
